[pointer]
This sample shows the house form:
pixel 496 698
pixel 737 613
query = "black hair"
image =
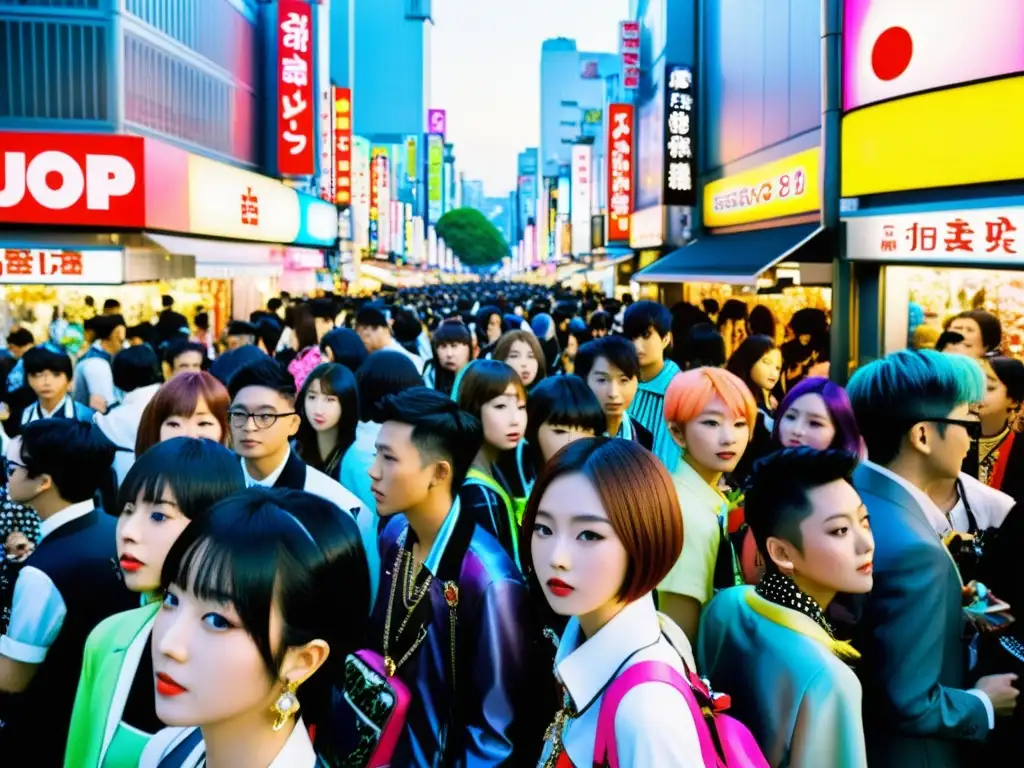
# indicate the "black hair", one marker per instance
pixel 274 304
pixel 20 337
pixel 440 429
pixel 136 367
pixel 1010 372
pixel 702 347
pixel 75 454
pixel 202 321
pixel 265 373
pixel 199 473
pixel 166 301
pixel 372 317
pixel 561 401
pixel 105 325
pixel 384 373
pixel 335 381
pixel 743 360
pixel 406 327
pixel 776 499
pixel 44 358
pixel 734 310
pixel 989 325
pixel 144 331
pixel 761 321
pixel 241 328
pixel 266 546
pixel 617 350
pixel 269 331
pixel 176 349
pixel 642 316
pixel 111 304
pixel 448 333
pixel 947 339
pixel 325 309
pixel 601 321
pixel 346 347
pixel 710 306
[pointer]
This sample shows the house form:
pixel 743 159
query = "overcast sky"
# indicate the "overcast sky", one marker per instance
pixel 486 73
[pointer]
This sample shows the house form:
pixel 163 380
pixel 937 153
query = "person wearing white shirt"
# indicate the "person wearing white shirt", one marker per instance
pixel 914 412
pixel 604 528
pixel 49 374
pixel 94 377
pixel 374 328
pixel 66 587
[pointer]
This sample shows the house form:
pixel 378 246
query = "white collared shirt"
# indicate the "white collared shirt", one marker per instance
pixel 653 724
pixel 297 751
pixel 269 480
pixel 36 412
pixel 38 609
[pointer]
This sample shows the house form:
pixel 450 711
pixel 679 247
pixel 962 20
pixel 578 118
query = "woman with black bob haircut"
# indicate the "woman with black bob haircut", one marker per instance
pixel 560 411
pixel 254 630
pixel 453 351
pixel 343 346
pixel 172 485
pixel 328 406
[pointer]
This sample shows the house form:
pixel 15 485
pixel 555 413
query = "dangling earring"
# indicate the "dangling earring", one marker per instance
pixel 287 704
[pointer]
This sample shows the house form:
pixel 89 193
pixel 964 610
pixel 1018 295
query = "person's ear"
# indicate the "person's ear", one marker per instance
pixel 678 431
pixel 442 473
pixel 666 341
pixel 919 438
pixel 302 661
pixel 45 483
pixel 295 422
pixel 781 553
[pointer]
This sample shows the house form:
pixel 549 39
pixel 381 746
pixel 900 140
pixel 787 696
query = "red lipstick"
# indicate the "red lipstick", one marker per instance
pixel 168 686
pixel 559 588
pixel 130 564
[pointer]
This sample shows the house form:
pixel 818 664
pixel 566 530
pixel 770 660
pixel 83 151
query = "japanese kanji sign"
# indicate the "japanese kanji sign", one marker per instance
pixel 342 146
pixel 435 177
pixel 581 196
pixel 680 150
pixel 980 235
pixel 296 107
pixel 629 51
pixel 620 171
pixel 46 267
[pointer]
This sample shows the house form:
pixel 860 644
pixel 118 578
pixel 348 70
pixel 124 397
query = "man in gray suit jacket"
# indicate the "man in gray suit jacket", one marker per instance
pixel 914 412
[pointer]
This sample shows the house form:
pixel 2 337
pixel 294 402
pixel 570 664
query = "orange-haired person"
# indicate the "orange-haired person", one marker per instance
pixel 710 414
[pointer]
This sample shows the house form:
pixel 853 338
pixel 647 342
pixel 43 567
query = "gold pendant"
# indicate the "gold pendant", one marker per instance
pixel 389 666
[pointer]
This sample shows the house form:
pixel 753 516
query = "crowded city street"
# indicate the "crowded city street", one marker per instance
pixel 455 384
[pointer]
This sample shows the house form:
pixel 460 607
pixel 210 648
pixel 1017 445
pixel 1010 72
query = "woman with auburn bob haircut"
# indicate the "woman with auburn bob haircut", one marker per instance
pixel 601 530
pixel 189 405
pixel 711 415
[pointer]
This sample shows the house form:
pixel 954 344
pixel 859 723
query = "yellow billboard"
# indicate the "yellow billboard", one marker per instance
pixel 965 135
pixel 786 187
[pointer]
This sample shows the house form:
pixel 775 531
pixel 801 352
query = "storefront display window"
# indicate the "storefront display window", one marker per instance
pixel 782 304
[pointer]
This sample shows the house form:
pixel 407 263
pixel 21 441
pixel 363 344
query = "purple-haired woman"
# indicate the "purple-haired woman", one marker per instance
pixel 817 413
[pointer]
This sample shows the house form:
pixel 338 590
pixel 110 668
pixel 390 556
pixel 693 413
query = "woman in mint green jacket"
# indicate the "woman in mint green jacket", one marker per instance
pixel 170 485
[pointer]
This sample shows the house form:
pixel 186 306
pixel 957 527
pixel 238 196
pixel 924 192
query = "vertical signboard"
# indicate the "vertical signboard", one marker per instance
pixel 411 158
pixel 360 192
pixel 342 146
pixel 297 102
pixel 629 51
pixel 437 122
pixel 375 202
pixel 325 100
pixel 552 222
pixel 383 201
pixel 620 171
pixel 435 178
pixel 679 137
pixel 582 194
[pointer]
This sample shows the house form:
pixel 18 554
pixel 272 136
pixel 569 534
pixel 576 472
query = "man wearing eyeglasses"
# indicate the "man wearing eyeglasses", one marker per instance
pixel 263 420
pixel 920 709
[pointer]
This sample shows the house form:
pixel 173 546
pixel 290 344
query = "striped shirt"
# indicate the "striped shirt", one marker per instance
pixel 648 408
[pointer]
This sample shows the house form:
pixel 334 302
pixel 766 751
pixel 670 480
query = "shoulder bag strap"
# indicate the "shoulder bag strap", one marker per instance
pixel 476 477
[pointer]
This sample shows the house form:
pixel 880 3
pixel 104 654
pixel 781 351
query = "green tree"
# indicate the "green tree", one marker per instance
pixel 473 239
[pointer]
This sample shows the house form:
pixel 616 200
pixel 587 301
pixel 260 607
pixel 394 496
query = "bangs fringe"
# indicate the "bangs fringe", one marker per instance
pixel 689 393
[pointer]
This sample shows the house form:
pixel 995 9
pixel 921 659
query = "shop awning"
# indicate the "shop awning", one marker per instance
pixel 609 257
pixel 737 259
pixel 231 258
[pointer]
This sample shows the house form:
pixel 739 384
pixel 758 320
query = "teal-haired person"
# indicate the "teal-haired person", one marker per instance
pixel 921 705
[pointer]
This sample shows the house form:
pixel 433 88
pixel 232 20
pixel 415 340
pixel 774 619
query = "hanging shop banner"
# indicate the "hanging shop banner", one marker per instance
pixel 582 196
pixel 411 158
pixel 552 224
pixel 983 235
pixel 435 177
pixel 437 122
pixel 680 148
pixel 383 201
pixel 54 267
pixel 342 146
pixel 325 168
pixel 629 52
pixel 786 187
pixel 620 171
pixel 374 200
pixel 920 115
pixel 72 179
pixel 360 192
pixel 297 103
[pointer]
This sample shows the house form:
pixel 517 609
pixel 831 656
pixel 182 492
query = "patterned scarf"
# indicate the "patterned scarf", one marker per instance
pixel 781 590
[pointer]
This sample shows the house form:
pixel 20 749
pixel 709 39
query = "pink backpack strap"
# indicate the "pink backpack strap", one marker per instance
pixel 605 748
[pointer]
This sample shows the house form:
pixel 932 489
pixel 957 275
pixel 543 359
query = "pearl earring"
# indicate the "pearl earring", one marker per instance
pixel 287 704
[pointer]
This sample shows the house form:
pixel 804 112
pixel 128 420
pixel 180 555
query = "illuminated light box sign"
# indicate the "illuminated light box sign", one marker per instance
pixel 786 187
pixel 924 114
pixel 621 195
pixel 20 266
pixel 989 235
pixel 680 148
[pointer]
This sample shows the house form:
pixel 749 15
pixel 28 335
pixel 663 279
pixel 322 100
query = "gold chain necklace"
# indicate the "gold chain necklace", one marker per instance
pixel 403 558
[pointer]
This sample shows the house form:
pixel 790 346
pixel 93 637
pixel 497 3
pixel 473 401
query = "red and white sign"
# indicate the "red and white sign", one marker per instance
pixel 582 180
pixel 620 171
pixel 72 179
pixel 383 204
pixel 343 146
pixel 991 235
pixel 297 106
pixel 43 267
pixel 629 51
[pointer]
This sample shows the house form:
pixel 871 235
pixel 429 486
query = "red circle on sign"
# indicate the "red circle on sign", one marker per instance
pixel 54 180
pixel 891 53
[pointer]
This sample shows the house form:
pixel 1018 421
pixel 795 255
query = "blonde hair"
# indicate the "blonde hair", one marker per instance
pixel 689 393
